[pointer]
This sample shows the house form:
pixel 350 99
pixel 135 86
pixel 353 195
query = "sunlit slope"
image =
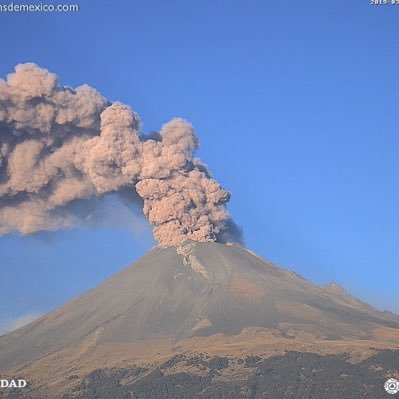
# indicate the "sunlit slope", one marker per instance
pixel 197 289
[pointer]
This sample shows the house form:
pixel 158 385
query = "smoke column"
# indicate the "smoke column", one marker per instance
pixel 60 145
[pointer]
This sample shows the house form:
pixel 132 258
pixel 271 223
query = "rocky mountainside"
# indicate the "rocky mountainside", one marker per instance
pixel 193 298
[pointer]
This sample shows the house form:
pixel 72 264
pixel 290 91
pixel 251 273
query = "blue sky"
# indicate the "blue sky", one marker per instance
pixel 295 104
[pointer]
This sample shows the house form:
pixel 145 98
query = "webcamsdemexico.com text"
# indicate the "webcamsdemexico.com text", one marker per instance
pixel 41 7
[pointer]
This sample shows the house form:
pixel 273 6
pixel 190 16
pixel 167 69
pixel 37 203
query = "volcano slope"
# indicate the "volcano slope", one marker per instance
pixel 196 299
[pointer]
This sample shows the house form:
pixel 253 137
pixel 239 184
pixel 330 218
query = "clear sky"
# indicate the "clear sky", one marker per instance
pixel 296 106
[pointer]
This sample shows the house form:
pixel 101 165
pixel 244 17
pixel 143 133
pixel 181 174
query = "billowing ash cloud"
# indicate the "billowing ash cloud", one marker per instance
pixel 59 146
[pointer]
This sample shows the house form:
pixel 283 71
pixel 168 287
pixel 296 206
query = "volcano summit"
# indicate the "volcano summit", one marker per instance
pixel 195 298
pixel 197 316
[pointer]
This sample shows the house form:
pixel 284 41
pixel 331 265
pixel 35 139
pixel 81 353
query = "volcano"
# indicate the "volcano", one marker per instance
pixel 208 298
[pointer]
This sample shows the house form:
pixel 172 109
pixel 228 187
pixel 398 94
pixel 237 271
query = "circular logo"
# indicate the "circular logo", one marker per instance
pixel 392 386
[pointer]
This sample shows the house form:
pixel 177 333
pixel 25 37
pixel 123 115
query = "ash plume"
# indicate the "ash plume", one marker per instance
pixel 60 145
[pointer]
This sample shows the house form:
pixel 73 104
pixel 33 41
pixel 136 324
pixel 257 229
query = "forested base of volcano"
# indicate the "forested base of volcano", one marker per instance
pixel 293 375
